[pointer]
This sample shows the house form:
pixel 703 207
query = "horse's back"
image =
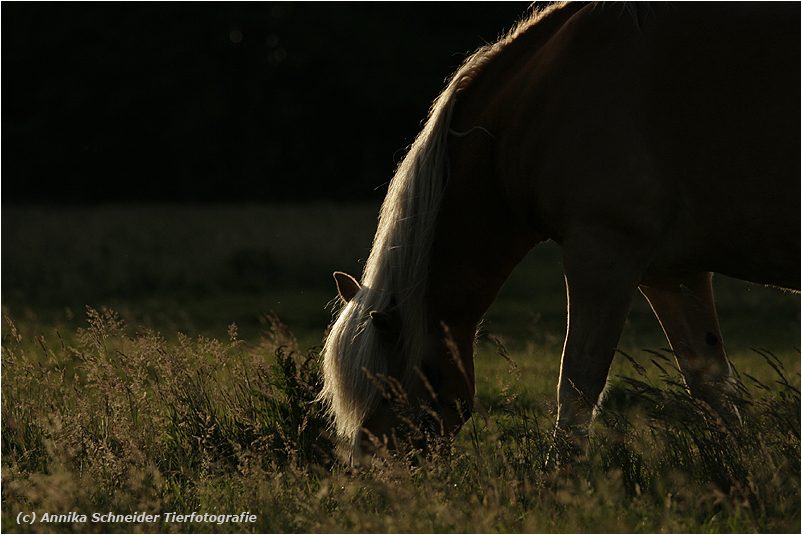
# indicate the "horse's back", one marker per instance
pixel 723 120
pixel 679 123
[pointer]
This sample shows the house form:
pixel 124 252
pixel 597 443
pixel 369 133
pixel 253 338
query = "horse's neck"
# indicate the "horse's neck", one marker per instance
pixel 478 241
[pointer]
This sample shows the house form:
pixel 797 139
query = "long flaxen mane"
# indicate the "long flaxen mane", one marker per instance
pixel 396 273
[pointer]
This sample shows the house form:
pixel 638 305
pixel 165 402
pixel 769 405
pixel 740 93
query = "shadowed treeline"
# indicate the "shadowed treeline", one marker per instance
pixel 223 101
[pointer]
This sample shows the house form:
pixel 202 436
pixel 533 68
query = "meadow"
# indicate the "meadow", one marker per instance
pixel 164 359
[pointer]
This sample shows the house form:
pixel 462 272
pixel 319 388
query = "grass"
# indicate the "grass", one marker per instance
pixel 127 422
pixel 189 398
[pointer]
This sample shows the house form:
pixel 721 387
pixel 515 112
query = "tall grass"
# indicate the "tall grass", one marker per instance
pixel 124 421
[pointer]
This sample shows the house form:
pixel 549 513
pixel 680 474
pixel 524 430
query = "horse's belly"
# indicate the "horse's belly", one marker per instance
pixel 759 244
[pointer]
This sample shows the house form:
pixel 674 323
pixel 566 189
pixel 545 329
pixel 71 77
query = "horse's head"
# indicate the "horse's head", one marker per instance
pixel 388 383
pixel 433 403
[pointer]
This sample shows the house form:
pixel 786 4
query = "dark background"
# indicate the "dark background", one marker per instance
pixel 265 102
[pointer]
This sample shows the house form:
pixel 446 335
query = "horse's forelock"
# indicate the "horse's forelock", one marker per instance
pixel 351 347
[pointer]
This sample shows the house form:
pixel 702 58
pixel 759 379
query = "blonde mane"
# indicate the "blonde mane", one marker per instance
pixel 396 273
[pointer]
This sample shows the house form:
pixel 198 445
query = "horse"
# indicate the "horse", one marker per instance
pixel 655 144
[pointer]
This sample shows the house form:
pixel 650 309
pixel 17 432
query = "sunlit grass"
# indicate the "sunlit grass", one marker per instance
pixel 120 419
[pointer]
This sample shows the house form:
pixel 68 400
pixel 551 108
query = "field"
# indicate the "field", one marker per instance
pixel 163 359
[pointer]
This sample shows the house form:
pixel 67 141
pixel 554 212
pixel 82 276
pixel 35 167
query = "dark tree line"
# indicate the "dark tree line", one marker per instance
pixel 223 101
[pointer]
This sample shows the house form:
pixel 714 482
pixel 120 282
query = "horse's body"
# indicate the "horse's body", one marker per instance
pixel 656 146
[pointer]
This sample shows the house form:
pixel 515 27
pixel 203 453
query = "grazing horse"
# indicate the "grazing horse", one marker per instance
pixel 656 144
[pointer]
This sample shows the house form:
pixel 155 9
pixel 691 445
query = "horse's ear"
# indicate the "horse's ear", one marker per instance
pixel 347 286
pixel 385 323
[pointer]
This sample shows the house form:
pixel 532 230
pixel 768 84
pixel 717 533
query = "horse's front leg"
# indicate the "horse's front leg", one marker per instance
pixel 601 278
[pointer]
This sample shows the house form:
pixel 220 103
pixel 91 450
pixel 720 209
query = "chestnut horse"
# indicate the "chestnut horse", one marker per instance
pixel 655 144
